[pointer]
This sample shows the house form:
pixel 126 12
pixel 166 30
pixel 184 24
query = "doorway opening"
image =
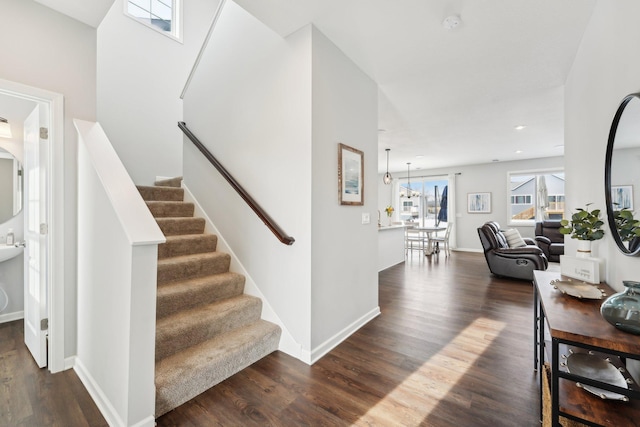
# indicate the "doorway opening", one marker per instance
pixel 51 223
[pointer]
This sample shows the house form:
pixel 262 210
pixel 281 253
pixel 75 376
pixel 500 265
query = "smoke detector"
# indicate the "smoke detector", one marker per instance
pixel 451 22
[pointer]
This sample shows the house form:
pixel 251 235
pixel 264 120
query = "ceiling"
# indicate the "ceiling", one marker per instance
pixel 452 97
pixel 90 12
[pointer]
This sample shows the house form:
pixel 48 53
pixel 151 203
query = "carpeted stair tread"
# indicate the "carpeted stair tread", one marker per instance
pixel 188 294
pixel 190 327
pixel 181 225
pixel 161 193
pixel 169 182
pixel 207 329
pixel 184 375
pixel 187 244
pixel 191 266
pixel 163 209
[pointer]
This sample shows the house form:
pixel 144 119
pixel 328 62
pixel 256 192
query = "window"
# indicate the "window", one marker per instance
pixel 422 200
pixel 161 15
pixel 523 199
pixel 535 196
pixel 406 206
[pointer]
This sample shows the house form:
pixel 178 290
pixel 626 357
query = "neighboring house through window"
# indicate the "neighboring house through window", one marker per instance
pixel 161 15
pixel 535 196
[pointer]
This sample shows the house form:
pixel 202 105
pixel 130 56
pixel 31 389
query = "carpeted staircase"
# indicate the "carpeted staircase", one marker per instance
pixel 207 329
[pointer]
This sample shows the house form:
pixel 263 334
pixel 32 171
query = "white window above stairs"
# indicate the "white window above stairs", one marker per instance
pixel 163 16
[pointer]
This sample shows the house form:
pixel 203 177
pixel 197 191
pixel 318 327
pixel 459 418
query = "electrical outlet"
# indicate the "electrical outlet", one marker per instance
pixel 366 218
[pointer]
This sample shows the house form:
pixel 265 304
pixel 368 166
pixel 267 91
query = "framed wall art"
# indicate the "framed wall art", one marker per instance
pixel 622 197
pixel 478 202
pixel 350 175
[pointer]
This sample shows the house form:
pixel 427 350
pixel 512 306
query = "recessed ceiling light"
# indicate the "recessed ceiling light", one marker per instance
pixel 518 151
pixel 519 127
pixel 419 156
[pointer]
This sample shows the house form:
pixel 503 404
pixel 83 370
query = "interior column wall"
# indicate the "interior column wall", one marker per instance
pixel 604 72
pixel 344 271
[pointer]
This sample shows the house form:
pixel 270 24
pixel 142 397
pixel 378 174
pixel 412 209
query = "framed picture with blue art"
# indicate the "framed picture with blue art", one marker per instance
pixel 622 197
pixel 478 202
pixel 350 175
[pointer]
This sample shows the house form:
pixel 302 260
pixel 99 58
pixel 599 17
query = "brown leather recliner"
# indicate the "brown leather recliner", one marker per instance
pixel 502 260
pixel 549 239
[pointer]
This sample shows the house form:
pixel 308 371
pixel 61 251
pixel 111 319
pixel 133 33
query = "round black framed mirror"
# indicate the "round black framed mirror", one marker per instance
pixel 622 175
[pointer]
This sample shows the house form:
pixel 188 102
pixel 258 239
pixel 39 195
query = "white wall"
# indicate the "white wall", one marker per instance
pixel 605 70
pixel 491 177
pixel 58 54
pixel 273 110
pixel 141 74
pixel 250 104
pixel 344 252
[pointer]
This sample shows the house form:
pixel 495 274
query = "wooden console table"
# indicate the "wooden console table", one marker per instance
pixel 577 323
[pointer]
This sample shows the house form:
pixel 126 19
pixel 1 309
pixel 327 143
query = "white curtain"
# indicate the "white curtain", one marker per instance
pixel 451 209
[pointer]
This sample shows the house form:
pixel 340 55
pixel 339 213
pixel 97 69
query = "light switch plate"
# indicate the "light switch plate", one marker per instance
pixel 366 219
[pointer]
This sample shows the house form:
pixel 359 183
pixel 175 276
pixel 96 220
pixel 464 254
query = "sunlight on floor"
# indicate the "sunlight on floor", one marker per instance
pixel 415 398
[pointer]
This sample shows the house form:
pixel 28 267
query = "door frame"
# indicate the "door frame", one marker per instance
pixel 55 220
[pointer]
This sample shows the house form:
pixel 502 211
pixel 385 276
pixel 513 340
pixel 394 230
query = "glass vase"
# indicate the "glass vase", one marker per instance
pixel 622 310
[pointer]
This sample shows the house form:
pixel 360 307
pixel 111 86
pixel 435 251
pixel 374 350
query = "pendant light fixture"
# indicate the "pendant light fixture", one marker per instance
pixel 408 181
pixel 387 176
pixel 5 129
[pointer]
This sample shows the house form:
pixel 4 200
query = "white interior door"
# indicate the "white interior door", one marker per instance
pixel 36 155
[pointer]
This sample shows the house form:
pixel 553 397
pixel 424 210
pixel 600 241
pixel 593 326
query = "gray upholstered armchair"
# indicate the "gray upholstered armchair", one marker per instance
pixel 502 260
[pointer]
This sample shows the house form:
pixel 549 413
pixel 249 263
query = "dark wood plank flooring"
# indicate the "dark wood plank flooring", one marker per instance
pixel 452 347
pixel 34 397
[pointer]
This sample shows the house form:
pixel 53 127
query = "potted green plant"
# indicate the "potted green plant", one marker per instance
pixel 585 226
pixel 628 227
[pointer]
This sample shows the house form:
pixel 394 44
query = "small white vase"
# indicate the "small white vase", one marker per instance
pixel 584 249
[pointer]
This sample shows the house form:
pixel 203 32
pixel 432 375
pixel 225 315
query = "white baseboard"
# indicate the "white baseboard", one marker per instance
pixel 102 402
pixel 10 317
pixel 479 251
pixel 335 340
pixel 104 405
pixel 69 362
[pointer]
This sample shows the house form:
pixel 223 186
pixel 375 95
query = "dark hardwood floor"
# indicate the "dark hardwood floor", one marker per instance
pixel 452 347
pixel 33 397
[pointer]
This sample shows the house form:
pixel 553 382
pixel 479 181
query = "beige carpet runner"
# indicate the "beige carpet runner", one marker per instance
pixel 207 329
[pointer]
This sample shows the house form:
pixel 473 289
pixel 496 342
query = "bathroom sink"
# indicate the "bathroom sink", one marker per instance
pixel 8 252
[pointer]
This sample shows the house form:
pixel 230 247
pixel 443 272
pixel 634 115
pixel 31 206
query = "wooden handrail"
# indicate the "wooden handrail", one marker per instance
pixel 268 221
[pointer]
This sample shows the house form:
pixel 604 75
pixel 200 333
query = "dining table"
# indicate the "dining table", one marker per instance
pixel 429 231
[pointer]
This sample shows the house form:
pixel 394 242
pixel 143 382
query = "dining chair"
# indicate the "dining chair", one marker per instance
pixel 444 239
pixel 413 240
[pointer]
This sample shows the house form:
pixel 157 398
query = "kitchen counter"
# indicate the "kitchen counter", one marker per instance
pixel 390 245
